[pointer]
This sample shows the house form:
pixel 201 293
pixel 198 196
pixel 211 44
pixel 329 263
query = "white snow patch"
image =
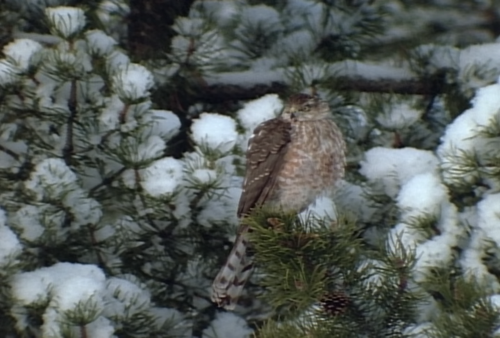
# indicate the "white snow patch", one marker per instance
pixel 422 330
pixel 172 319
pixel 405 235
pixel 100 328
pixel 221 210
pixel 218 132
pixel 132 82
pixel 483 56
pixel 117 59
pixel 99 43
pixel 400 115
pixel 227 325
pixel 51 177
pixel 422 194
pixel 489 217
pixel 395 167
pixel 495 301
pixel 21 51
pixel 83 209
pixel 44 283
pixel 161 122
pixel 10 247
pixel 461 136
pixel 204 176
pixel 110 114
pixel 162 177
pixel 352 198
pixel 79 292
pixel 471 261
pixel 142 150
pixel 435 253
pixel 257 111
pixel 128 293
pixel 28 219
pixel 65 21
pixel 322 209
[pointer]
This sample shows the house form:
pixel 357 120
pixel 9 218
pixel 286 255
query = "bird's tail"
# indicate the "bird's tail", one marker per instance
pixel 229 282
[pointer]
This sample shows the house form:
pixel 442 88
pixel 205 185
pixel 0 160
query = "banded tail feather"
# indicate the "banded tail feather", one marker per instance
pixel 229 283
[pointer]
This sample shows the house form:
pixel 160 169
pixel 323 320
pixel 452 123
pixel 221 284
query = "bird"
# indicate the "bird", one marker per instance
pixel 290 161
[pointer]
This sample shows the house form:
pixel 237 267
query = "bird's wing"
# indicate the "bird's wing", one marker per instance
pixel 266 149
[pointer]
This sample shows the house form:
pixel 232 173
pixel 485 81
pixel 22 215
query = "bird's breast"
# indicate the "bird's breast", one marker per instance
pixel 313 163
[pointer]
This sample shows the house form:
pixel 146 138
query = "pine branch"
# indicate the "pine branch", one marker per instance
pixel 432 85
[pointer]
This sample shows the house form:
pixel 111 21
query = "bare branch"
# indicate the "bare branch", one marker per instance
pixel 434 85
pixel 68 146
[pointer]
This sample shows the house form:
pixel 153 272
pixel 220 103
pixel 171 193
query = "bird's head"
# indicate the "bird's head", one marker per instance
pixel 303 107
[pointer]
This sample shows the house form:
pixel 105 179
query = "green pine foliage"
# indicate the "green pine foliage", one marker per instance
pixel 315 275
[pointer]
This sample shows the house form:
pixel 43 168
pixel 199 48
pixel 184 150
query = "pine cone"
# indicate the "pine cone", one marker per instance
pixel 335 303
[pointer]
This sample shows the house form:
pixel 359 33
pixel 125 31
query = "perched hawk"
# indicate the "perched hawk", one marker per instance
pixel 291 160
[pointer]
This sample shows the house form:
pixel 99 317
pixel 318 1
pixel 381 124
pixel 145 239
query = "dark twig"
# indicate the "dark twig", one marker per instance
pixel 123 115
pixel 95 244
pixel 107 180
pixel 83 331
pixel 10 152
pixel 69 147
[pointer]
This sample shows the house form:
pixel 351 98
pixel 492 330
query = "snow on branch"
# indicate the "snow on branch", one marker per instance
pixel 352 76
